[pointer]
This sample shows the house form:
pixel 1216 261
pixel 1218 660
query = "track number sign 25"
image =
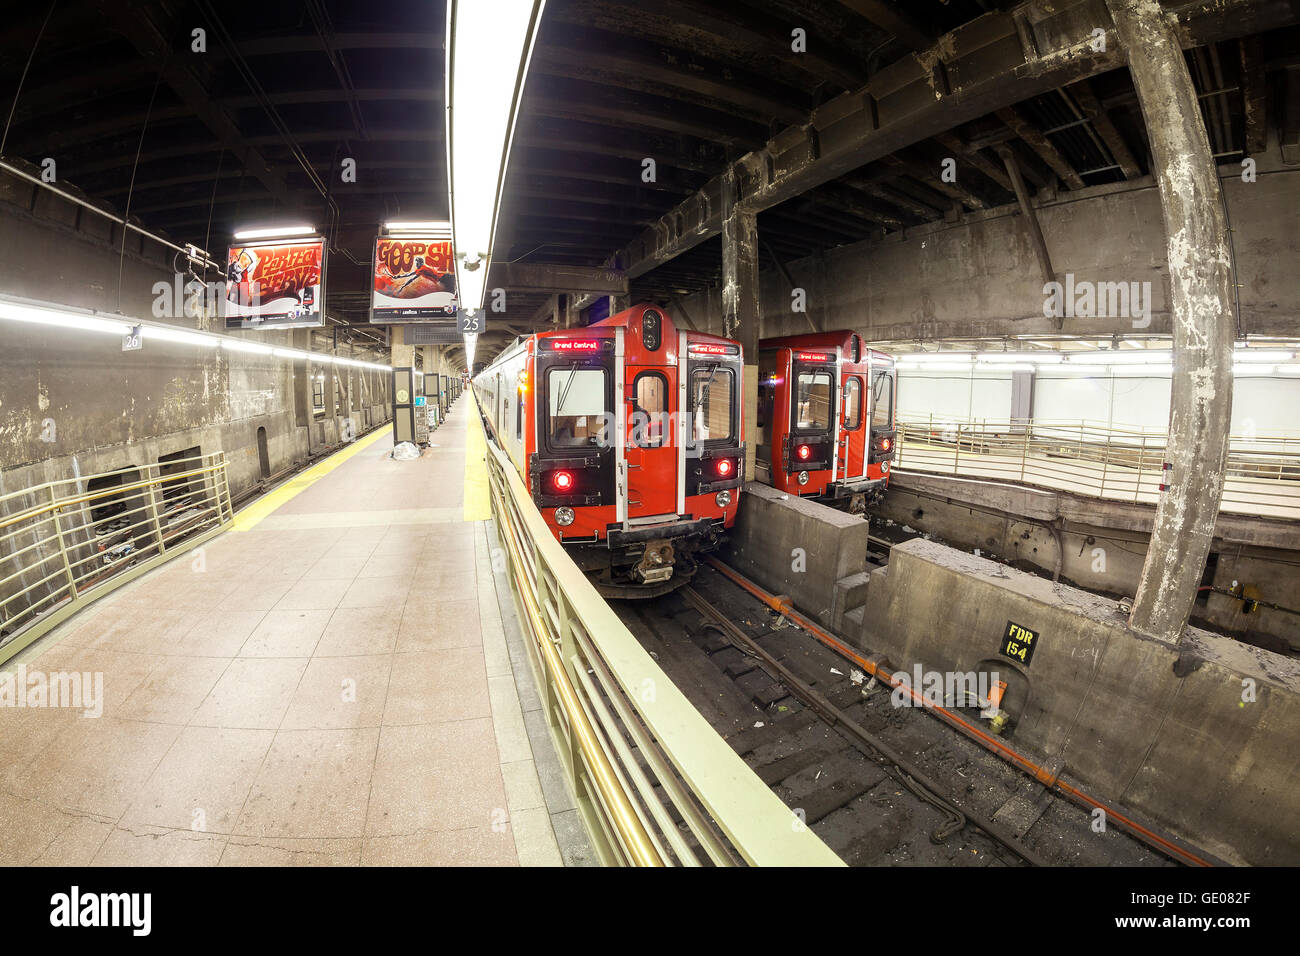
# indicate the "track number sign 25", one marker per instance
pixel 1018 643
pixel 471 322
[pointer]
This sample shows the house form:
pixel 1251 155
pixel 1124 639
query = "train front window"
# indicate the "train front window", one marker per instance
pixel 712 400
pixel 576 403
pixel 882 400
pixel 813 390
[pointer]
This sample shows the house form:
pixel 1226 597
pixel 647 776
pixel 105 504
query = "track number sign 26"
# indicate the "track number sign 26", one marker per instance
pixel 1018 643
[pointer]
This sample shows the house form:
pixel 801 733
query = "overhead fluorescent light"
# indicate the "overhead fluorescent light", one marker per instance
pixel 1261 355
pixel 934 366
pixel 1154 370
pixel 275 232
pixel 927 357
pixel 67 319
pixel 179 336
pixel 243 345
pixel 488 49
pixel 437 229
pixel 1004 366
pixel 1037 358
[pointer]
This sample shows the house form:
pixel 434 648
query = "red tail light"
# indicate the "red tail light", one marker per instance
pixel 803 452
pixel 885 444
pixel 724 466
pixel 562 480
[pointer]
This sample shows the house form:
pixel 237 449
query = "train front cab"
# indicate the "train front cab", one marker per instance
pixel 826 408
pixel 638 505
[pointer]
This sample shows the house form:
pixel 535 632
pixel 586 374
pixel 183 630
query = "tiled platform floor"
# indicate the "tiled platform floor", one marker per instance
pixel 312 690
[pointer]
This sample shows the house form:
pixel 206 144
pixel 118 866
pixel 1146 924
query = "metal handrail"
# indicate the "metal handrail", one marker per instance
pixel 1096 459
pixel 637 753
pixel 97 540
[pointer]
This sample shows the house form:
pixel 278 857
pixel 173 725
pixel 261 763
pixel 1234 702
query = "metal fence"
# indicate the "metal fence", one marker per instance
pixel 1096 459
pixel 655 783
pixel 66 543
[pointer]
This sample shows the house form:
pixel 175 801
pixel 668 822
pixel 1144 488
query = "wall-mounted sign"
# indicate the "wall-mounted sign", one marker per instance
pixel 275 284
pixel 1018 643
pixel 414 280
pixel 132 341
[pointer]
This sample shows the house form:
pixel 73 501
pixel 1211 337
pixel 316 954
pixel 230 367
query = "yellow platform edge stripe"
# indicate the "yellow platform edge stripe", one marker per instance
pixel 247 518
pixel 478 498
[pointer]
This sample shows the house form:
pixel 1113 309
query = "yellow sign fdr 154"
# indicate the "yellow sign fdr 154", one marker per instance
pixel 1018 643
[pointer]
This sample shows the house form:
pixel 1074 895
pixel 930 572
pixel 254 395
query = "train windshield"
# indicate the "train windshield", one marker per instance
pixel 576 402
pixel 712 397
pixel 813 400
pixel 882 400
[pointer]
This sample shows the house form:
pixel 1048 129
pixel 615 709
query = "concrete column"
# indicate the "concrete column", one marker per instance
pixel 305 416
pixel 400 355
pixel 331 406
pixel 740 312
pixel 1200 280
pixel 619 303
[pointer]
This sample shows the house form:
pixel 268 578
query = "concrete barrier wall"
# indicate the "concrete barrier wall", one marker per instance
pixel 796 547
pixel 1161 729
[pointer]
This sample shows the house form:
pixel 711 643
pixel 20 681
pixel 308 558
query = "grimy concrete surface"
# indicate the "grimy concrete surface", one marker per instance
pixel 330 684
pixel 796 547
pixel 1198 737
pixel 1103 544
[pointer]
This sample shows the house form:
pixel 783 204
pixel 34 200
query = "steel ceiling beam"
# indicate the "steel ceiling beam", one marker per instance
pixel 978 68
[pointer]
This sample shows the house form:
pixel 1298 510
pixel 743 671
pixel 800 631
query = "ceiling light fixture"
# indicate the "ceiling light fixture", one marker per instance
pixel 275 232
pixel 488 49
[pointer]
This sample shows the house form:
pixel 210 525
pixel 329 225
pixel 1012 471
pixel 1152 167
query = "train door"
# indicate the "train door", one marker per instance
pixel 852 428
pixel 650 453
pixel 770 364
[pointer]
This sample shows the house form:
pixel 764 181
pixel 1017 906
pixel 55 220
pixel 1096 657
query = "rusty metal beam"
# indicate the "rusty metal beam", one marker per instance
pixel 1028 212
pixel 917 98
pixel 1034 138
pixel 1100 119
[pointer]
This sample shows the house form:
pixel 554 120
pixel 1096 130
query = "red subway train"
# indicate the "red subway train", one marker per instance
pixel 630 435
pixel 826 406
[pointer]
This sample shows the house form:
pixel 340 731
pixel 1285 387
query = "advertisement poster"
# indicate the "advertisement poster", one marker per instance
pixel 276 284
pixel 415 280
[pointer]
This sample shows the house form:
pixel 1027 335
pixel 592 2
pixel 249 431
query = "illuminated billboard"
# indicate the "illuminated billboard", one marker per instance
pixel 414 279
pixel 275 284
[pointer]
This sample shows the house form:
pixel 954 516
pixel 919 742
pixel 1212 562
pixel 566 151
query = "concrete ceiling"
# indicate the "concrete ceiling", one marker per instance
pixel 255 128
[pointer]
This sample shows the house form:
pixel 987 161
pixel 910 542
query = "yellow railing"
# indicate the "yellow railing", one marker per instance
pixel 1096 459
pixel 66 543
pixel 654 782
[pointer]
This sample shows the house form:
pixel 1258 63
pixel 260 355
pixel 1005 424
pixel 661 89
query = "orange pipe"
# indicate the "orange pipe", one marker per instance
pixel 1013 757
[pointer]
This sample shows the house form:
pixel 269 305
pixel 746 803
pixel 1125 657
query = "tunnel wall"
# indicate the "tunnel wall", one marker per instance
pixel 73 403
pixel 980 276
pixel 1198 738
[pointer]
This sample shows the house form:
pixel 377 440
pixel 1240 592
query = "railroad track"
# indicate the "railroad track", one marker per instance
pixel 882 785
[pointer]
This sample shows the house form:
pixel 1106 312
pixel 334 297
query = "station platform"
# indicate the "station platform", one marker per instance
pixel 327 683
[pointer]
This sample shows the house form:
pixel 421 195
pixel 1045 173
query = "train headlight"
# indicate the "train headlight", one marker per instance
pixel 884 466
pixel 564 517
pixel 723 498
pixel 803 477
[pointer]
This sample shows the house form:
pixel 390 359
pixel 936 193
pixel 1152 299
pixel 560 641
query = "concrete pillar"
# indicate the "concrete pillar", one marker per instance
pixel 740 312
pixel 304 408
pixel 1200 281
pixel 400 355
pixel 331 406
pixel 619 303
